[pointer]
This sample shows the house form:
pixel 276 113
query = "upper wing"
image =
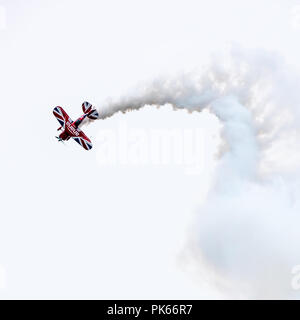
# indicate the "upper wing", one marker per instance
pixel 84 141
pixel 61 115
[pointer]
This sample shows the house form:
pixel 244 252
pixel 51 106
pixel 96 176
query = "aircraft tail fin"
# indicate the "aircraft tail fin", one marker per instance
pixel 90 111
pixel 86 107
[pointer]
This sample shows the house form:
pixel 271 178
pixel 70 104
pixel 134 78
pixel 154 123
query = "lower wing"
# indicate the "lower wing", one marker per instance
pixel 84 141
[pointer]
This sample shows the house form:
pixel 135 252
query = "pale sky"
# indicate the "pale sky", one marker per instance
pixel 70 227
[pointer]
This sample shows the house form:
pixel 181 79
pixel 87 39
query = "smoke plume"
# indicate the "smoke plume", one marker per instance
pixel 247 231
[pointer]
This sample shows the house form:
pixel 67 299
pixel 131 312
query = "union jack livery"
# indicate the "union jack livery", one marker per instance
pixel 71 128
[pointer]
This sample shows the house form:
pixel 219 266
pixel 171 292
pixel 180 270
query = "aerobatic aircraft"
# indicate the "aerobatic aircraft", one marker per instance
pixel 71 128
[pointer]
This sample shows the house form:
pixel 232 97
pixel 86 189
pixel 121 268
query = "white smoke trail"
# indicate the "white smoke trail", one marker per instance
pixel 248 227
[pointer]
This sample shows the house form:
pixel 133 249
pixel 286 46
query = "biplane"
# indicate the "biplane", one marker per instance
pixel 71 129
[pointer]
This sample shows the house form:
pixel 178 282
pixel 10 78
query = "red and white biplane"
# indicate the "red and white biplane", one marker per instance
pixel 71 128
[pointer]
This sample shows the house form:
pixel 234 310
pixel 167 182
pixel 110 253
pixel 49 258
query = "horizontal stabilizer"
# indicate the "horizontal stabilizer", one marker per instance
pixel 90 111
pixel 93 115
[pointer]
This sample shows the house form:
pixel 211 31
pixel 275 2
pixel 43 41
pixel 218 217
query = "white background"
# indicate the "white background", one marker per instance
pixel 70 228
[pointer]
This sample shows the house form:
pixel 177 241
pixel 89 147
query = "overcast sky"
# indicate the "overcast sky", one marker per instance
pixel 69 226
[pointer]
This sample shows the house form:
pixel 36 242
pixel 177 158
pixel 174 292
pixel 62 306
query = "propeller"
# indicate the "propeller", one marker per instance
pixel 60 140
